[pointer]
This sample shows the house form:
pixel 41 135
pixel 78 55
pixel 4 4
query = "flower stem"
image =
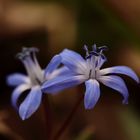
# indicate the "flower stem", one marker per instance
pixel 48 117
pixel 68 120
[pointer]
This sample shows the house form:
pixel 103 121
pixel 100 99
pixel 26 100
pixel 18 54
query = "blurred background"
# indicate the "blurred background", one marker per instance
pixel 53 25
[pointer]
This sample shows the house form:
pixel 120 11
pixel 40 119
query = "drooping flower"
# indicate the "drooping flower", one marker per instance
pixel 32 81
pixel 89 70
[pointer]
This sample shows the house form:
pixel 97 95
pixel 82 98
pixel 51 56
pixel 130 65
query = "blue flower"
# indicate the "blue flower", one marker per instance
pixel 36 76
pixel 89 70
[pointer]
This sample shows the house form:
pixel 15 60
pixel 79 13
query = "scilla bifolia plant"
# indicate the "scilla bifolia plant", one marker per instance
pixel 75 70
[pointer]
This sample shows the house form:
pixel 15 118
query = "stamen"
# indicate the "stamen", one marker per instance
pixel 102 48
pixel 90 73
pixel 86 49
pixel 94 53
pixel 103 57
pixel 26 52
pixel 96 63
pixel 94 48
pixel 88 57
pixel 38 81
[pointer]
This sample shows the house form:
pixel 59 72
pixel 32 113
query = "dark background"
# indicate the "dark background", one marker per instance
pixel 52 26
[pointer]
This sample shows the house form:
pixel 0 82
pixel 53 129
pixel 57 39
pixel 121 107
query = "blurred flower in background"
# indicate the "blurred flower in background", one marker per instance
pixel 32 81
pixel 54 25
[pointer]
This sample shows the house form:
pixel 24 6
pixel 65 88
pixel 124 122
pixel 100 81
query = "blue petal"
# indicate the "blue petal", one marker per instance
pixel 64 71
pixel 116 83
pixel 17 79
pixel 31 103
pixel 100 62
pixel 54 63
pixel 74 61
pixel 60 72
pixel 92 93
pixel 17 92
pixel 120 70
pixel 62 82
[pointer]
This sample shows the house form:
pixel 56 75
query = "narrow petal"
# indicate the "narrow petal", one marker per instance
pixel 74 61
pixel 116 83
pixel 62 82
pixel 92 93
pixel 17 92
pixel 31 103
pixel 60 72
pixel 17 79
pixel 100 62
pixel 54 63
pixel 120 70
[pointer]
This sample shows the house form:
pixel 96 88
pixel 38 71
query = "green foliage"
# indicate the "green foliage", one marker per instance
pixel 99 23
pixel 86 134
pixel 131 123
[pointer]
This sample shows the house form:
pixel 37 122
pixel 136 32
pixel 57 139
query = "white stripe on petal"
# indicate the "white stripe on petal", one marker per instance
pixel 38 70
pixel 31 103
pixel 59 72
pixel 116 83
pixel 62 82
pixel 92 93
pixel 120 70
pixel 74 61
pixel 17 92
pixel 17 79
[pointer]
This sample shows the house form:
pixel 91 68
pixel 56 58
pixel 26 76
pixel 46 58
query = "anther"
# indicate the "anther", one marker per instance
pixel 88 56
pixel 94 53
pixel 29 50
pixel 102 48
pixel 94 48
pixel 26 52
pixel 86 49
pixel 103 57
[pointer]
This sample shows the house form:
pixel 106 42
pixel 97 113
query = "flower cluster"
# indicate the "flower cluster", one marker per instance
pixel 75 70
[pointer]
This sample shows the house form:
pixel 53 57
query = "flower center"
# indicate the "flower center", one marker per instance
pixel 95 60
